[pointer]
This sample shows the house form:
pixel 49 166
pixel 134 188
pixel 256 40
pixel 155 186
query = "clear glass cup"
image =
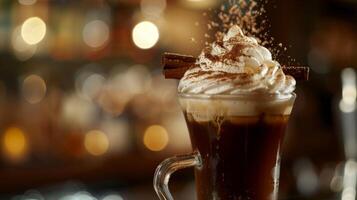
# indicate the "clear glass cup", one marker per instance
pixel 236 142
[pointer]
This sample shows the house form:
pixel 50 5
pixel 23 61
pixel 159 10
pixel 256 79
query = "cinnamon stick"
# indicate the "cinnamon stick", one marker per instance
pixel 175 66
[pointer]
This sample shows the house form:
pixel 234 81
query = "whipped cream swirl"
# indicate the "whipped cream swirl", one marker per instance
pixel 236 65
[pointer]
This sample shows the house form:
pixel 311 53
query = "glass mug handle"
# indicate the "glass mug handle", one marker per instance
pixel 169 166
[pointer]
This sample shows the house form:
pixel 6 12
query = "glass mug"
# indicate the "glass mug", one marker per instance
pixel 236 143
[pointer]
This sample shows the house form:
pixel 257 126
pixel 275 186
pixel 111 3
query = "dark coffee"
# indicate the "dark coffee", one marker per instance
pixel 240 156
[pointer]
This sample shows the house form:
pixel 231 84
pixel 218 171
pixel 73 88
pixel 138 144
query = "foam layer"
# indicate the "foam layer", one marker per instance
pixel 236 65
pixel 208 109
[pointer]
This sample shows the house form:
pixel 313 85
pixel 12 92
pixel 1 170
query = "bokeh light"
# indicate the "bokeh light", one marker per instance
pixel 22 50
pixel 96 142
pixel 350 94
pixel 81 195
pixel 156 138
pixel 152 8
pixel 33 30
pixel 122 87
pixel 77 112
pixel 145 35
pixel 349 91
pixel 117 131
pixel 31 195
pixel 349 194
pixel 164 91
pixel 346 108
pixel 307 181
pixel 27 2
pixel 336 184
pixel 92 85
pixel 34 89
pixel 179 136
pixel 96 33
pixel 135 79
pixel 200 3
pixel 113 103
pixel 349 180
pixel 113 197
pixel 14 143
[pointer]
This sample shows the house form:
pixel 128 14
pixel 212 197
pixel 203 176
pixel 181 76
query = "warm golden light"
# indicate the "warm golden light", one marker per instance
pixel 145 35
pixel 34 89
pixel 27 2
pixel 92 86
pixel 96 142
pixel 118 134
pixel 200 3
pixel 152 8
pixel 135 79
pixel 96 33
pixel 14 143
pixel 156 138
pixel 78 112
pixel 33 30
pixel 22 50
pixel 179 136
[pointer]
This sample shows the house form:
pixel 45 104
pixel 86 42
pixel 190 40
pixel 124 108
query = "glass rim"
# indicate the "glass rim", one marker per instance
pixel 276 96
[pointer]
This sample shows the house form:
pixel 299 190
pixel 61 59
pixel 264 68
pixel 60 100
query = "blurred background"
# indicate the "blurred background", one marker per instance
pixel 86 114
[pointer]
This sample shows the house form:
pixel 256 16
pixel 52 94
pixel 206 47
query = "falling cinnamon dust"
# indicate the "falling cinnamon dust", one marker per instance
pixel 251 17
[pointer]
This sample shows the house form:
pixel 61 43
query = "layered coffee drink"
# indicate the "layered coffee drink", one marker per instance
pixel 240 150
pixel 237 102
